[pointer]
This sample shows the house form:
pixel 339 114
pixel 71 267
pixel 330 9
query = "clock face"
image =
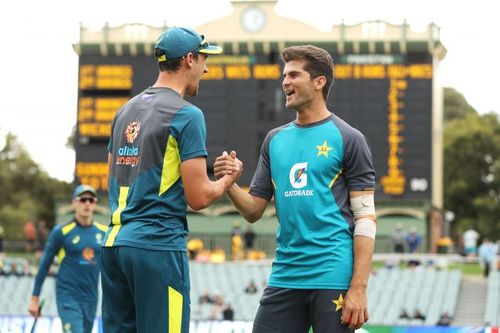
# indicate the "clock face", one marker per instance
pixel 253 19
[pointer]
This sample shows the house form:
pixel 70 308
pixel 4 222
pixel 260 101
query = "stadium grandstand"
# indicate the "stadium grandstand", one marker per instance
pixel 405 291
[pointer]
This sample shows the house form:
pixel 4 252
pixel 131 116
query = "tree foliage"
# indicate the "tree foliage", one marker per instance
pixel 472 166
pixel 28 193
pixel 456 106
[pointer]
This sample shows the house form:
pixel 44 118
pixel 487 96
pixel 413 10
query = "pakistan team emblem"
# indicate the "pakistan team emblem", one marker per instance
pixel 132 131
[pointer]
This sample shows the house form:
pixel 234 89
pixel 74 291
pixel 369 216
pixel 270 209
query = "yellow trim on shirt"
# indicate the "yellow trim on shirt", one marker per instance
pixel 171 171
pixel 67 228
pixel 116 218
pixel 335 178
pixel 101 227
pixel 60 255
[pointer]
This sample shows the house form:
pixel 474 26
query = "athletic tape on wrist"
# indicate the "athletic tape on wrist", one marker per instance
pixel 365 227
pixel 362 206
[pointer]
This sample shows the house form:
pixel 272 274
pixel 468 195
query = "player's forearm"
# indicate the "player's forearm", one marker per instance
pixel 245 203
pixel 209 192
pixel 363 253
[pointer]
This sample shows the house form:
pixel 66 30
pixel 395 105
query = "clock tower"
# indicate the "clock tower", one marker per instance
pixel 253 19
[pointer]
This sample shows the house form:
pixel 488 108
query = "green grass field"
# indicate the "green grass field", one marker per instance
pixel 466 268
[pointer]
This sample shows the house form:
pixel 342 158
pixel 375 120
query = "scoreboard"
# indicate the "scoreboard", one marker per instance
pixel 388 97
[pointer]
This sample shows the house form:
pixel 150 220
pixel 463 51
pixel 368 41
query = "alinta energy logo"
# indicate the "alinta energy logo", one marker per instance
pixel 298 180
pixel 129 155
pixel 132 131
pixel 88 256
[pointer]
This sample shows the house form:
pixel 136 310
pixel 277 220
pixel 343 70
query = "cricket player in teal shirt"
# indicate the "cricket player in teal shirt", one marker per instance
pixel 77 244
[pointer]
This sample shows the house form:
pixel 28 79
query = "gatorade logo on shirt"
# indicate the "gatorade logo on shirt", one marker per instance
pixel 298 180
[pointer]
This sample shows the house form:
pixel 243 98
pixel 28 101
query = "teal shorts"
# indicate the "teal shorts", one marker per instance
pixel 76 316
pixel 145 291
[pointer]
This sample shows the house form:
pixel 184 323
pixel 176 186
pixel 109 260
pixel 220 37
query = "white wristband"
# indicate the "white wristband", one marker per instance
pixel 364 205
pixel 365 227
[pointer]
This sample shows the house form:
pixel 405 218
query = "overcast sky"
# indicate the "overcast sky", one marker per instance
pixel 39 69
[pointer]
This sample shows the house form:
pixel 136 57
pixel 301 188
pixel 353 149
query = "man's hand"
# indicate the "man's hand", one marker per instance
pixel 228 164
pixel 34 307
pixel 355 308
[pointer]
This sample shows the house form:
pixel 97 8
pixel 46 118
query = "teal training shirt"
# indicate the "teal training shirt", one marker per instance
pixel 78 249
pixel 310 170
pixel 151 136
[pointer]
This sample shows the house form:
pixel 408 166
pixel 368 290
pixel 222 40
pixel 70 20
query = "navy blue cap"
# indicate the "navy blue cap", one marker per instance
pixel 176 42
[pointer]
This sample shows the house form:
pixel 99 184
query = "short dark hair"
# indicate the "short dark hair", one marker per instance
pixel 318 62
pixel 169 65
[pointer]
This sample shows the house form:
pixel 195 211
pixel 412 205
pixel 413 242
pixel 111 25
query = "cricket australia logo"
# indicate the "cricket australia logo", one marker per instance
pixel 132 131
pixel 298 180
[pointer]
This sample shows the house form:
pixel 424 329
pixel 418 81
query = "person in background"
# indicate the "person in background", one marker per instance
pixel 251 288
pixel 413 240
pixel 399 238
pixel 42 231
pixel 487 255
pixel 206 298
pixel 77 244
pixel 470 238
pixel 237 252
pixel 249 237
pixel 228 313
pixel 444 319
pixel 29 236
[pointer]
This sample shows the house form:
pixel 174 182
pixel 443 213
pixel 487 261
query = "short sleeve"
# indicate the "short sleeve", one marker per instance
pixel 358 164
pixel 261 185
pixel 188 129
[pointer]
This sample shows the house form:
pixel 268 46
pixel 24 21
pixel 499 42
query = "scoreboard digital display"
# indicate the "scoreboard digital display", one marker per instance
pixel 387 97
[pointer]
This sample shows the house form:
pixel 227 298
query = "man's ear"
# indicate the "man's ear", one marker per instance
pixel 319 82
pixel 189 58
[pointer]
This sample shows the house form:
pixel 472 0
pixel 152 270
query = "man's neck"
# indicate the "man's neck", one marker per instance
pixel 316 110
pixel 84 221
pixel 174 81
pixel 311 116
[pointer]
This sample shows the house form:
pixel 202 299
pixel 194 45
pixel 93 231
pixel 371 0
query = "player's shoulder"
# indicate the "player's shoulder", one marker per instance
pixel 272 133
pixel 192 109
pixel 347 130
pixel 65 228
pixel 188 113
pixel 100 226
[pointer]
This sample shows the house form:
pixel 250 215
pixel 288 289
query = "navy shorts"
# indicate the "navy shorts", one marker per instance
pixel 295 311
pixel 144 291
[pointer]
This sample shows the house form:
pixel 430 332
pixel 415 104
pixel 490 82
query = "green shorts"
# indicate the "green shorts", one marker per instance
pixel 145 291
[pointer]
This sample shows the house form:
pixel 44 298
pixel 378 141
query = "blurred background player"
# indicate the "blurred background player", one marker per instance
pixel 77 245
